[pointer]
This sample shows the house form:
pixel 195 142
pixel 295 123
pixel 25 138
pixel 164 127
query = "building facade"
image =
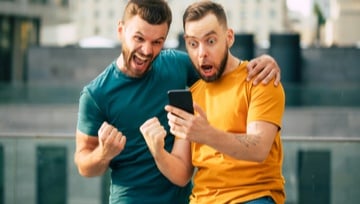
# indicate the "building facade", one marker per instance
pixel 24 23
pixel 100 17
pixel 21 23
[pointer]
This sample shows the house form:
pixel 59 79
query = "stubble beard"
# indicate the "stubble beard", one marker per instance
pixel 220 71
pixel 127 69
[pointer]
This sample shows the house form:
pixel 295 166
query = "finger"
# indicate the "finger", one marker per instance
pixel 102 127
pixel 250 67
pixel 176 120
pixel 261 76
pixel 112 135
pixel 272 75
pixel 105 131
pixel 114 132
pixel 152 130
pixel 198 109
pixel 177 111
pixel 151 123
pixel 257 67
pixel 172 122
pixel 176 130
pixel 122 142
pixel 251 64
pixel 268 78
pixel 277 79
pixel 170 117
pixel 146 124
pixel 143 128
pixel 161 132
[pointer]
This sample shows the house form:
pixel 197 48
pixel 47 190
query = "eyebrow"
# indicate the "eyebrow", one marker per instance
pixel 142 35
pixel 207 34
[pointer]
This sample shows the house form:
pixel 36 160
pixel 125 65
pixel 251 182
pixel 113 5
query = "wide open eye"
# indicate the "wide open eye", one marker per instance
pixel 192 43
pixel 211 41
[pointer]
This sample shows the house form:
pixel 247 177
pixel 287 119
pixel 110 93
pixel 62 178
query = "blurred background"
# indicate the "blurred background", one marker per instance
pixel 49 49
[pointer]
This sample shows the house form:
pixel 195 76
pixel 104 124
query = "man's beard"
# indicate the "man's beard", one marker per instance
pixel 129 70
pixel 220 71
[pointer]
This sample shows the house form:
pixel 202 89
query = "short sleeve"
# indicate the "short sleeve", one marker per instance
pixel 267 103
pixel 90 117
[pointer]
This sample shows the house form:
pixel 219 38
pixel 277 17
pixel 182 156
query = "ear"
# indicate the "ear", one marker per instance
pixel 120 29
pixel 230 37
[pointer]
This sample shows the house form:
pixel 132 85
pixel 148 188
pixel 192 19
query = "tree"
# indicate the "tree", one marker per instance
pixel 320 20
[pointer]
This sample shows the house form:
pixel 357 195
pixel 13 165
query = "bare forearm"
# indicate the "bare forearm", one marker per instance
pixel 240 146
pixel 91 164
pixel 173 168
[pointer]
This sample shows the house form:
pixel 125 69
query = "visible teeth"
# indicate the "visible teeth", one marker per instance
pixel 141 58
pixel 138 60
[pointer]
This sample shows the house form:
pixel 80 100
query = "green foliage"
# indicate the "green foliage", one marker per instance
pixel 319 14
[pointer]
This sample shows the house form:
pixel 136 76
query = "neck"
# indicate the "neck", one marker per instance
pixel 232 63
pixel 120 63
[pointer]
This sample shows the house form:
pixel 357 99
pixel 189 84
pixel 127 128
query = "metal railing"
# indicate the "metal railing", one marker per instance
pixel 39 168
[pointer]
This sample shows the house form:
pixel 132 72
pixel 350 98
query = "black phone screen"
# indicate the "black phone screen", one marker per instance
pixel 181 98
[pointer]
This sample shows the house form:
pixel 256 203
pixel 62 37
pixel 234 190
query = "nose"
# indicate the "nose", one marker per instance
pixel 147 49
pixel 202 51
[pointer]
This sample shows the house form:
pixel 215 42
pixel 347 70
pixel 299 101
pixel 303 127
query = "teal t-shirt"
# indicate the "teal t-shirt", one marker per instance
pixel 126 103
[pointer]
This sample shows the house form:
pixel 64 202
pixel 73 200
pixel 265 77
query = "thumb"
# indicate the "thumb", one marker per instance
pixel 198 109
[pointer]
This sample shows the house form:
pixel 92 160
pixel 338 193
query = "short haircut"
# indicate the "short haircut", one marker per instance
pixel 198 10
pixel 154 12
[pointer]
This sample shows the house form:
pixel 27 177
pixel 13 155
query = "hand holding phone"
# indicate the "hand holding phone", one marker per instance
pixel 181 98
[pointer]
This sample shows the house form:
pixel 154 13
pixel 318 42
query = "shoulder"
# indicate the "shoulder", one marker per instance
pixel 174 59
pixel 268 92
pixel 103 76
pixel 197 85
pixel 172 55
pixel 101 80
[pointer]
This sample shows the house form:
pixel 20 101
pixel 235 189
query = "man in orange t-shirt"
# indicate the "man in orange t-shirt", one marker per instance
pixel 242 159
pixel 235 133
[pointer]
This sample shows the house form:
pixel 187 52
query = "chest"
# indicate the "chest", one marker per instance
pixel 226 107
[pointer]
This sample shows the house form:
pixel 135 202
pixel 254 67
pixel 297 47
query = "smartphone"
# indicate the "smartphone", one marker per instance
pixel 181 98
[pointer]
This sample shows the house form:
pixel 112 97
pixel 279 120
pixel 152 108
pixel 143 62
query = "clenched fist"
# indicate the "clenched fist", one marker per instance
pixel 111 141
pixel 154 134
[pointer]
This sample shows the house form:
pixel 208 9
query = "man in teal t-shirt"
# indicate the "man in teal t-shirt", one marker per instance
pixel 127 102
pixel 131 90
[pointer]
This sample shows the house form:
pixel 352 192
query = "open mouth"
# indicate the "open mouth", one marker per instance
pixel 140 63
pixel 207 69
pixel 140 60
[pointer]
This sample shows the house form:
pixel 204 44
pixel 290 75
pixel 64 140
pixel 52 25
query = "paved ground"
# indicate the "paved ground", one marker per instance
pixel 20 155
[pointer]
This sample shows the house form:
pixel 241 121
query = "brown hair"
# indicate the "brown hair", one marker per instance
pixel 198 10
pixel 154 12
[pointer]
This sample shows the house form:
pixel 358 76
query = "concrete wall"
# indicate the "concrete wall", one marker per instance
pixel 303 121
pixel 328 77
pixel 50 108
pixel 67 65
pixel 318 65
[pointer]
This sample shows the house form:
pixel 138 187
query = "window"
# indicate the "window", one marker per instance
pixel 62 3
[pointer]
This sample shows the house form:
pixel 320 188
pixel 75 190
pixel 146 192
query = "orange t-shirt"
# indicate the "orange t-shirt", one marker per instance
pixel 230 103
